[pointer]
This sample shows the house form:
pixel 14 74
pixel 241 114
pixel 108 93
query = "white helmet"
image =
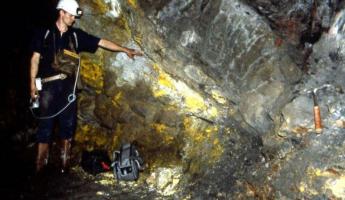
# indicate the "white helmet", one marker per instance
pixel 70 6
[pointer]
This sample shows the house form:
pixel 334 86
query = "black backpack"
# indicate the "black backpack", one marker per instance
pixel 127 163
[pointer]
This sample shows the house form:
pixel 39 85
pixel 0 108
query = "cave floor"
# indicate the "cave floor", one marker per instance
pixel 19 182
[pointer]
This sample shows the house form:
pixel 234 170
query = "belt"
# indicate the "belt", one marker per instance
pixel 53 78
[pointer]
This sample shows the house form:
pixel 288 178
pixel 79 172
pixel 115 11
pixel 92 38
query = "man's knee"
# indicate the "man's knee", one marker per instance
pixel 43 136
pixel 67 130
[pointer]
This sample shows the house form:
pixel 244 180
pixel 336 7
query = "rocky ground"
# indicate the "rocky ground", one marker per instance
pixel 20 182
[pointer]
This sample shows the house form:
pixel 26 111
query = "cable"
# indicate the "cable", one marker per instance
pixel 70 98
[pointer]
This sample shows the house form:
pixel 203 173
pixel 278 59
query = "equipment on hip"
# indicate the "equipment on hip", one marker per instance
pixel 39 81
pixel 34 103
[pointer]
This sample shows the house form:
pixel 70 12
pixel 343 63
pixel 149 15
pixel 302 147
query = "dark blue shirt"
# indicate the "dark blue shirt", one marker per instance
pixel 47 43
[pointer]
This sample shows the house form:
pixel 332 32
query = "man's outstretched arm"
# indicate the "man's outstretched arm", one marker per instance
pixel 109 45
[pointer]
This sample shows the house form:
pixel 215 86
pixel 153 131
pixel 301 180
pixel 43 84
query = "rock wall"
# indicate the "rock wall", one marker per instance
pixel 211 104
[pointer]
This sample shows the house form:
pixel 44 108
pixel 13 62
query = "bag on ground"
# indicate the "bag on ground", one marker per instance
pixel 127 163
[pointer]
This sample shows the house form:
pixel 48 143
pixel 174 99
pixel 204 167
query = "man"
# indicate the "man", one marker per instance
pixel 57 97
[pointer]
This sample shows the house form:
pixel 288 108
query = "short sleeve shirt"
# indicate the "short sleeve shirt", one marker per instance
pixel 48 42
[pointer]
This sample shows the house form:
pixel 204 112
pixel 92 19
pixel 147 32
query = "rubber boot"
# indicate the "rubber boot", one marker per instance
pixel 65 155
pixel 42 156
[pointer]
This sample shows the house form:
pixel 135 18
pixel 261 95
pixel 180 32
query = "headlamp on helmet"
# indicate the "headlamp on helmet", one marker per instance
pixel 79 12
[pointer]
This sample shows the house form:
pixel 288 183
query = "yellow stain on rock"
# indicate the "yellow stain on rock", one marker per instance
pixel 218 97
pixel 335 181
pixel 122 23
pixel 133 3
pixel 180 94
pixel 117 98
pixel 92 74
pixel 90 136
pixel 324 173
pixel 192 131
pixel 86 128
pixel 138 39
pixel 107 182
pixel 202 138
pixel 337 186
pixel 159 93
pixel 213 112
pixel 194 102
pixel 217 151
pixel 101 6
pixel 165 80
pixel 199 138
pixel 216 141
pixel 160 128
pixel 302 187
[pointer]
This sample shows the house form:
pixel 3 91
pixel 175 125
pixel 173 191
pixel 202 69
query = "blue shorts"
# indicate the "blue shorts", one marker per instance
pixel 53 98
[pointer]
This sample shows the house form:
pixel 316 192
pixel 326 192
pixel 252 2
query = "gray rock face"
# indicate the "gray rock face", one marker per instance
pixel 234 47
pixel 219 95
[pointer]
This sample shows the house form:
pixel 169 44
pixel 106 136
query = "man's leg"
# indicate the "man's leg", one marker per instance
pixel 65 155
pixel 67 125
pixel 43 139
